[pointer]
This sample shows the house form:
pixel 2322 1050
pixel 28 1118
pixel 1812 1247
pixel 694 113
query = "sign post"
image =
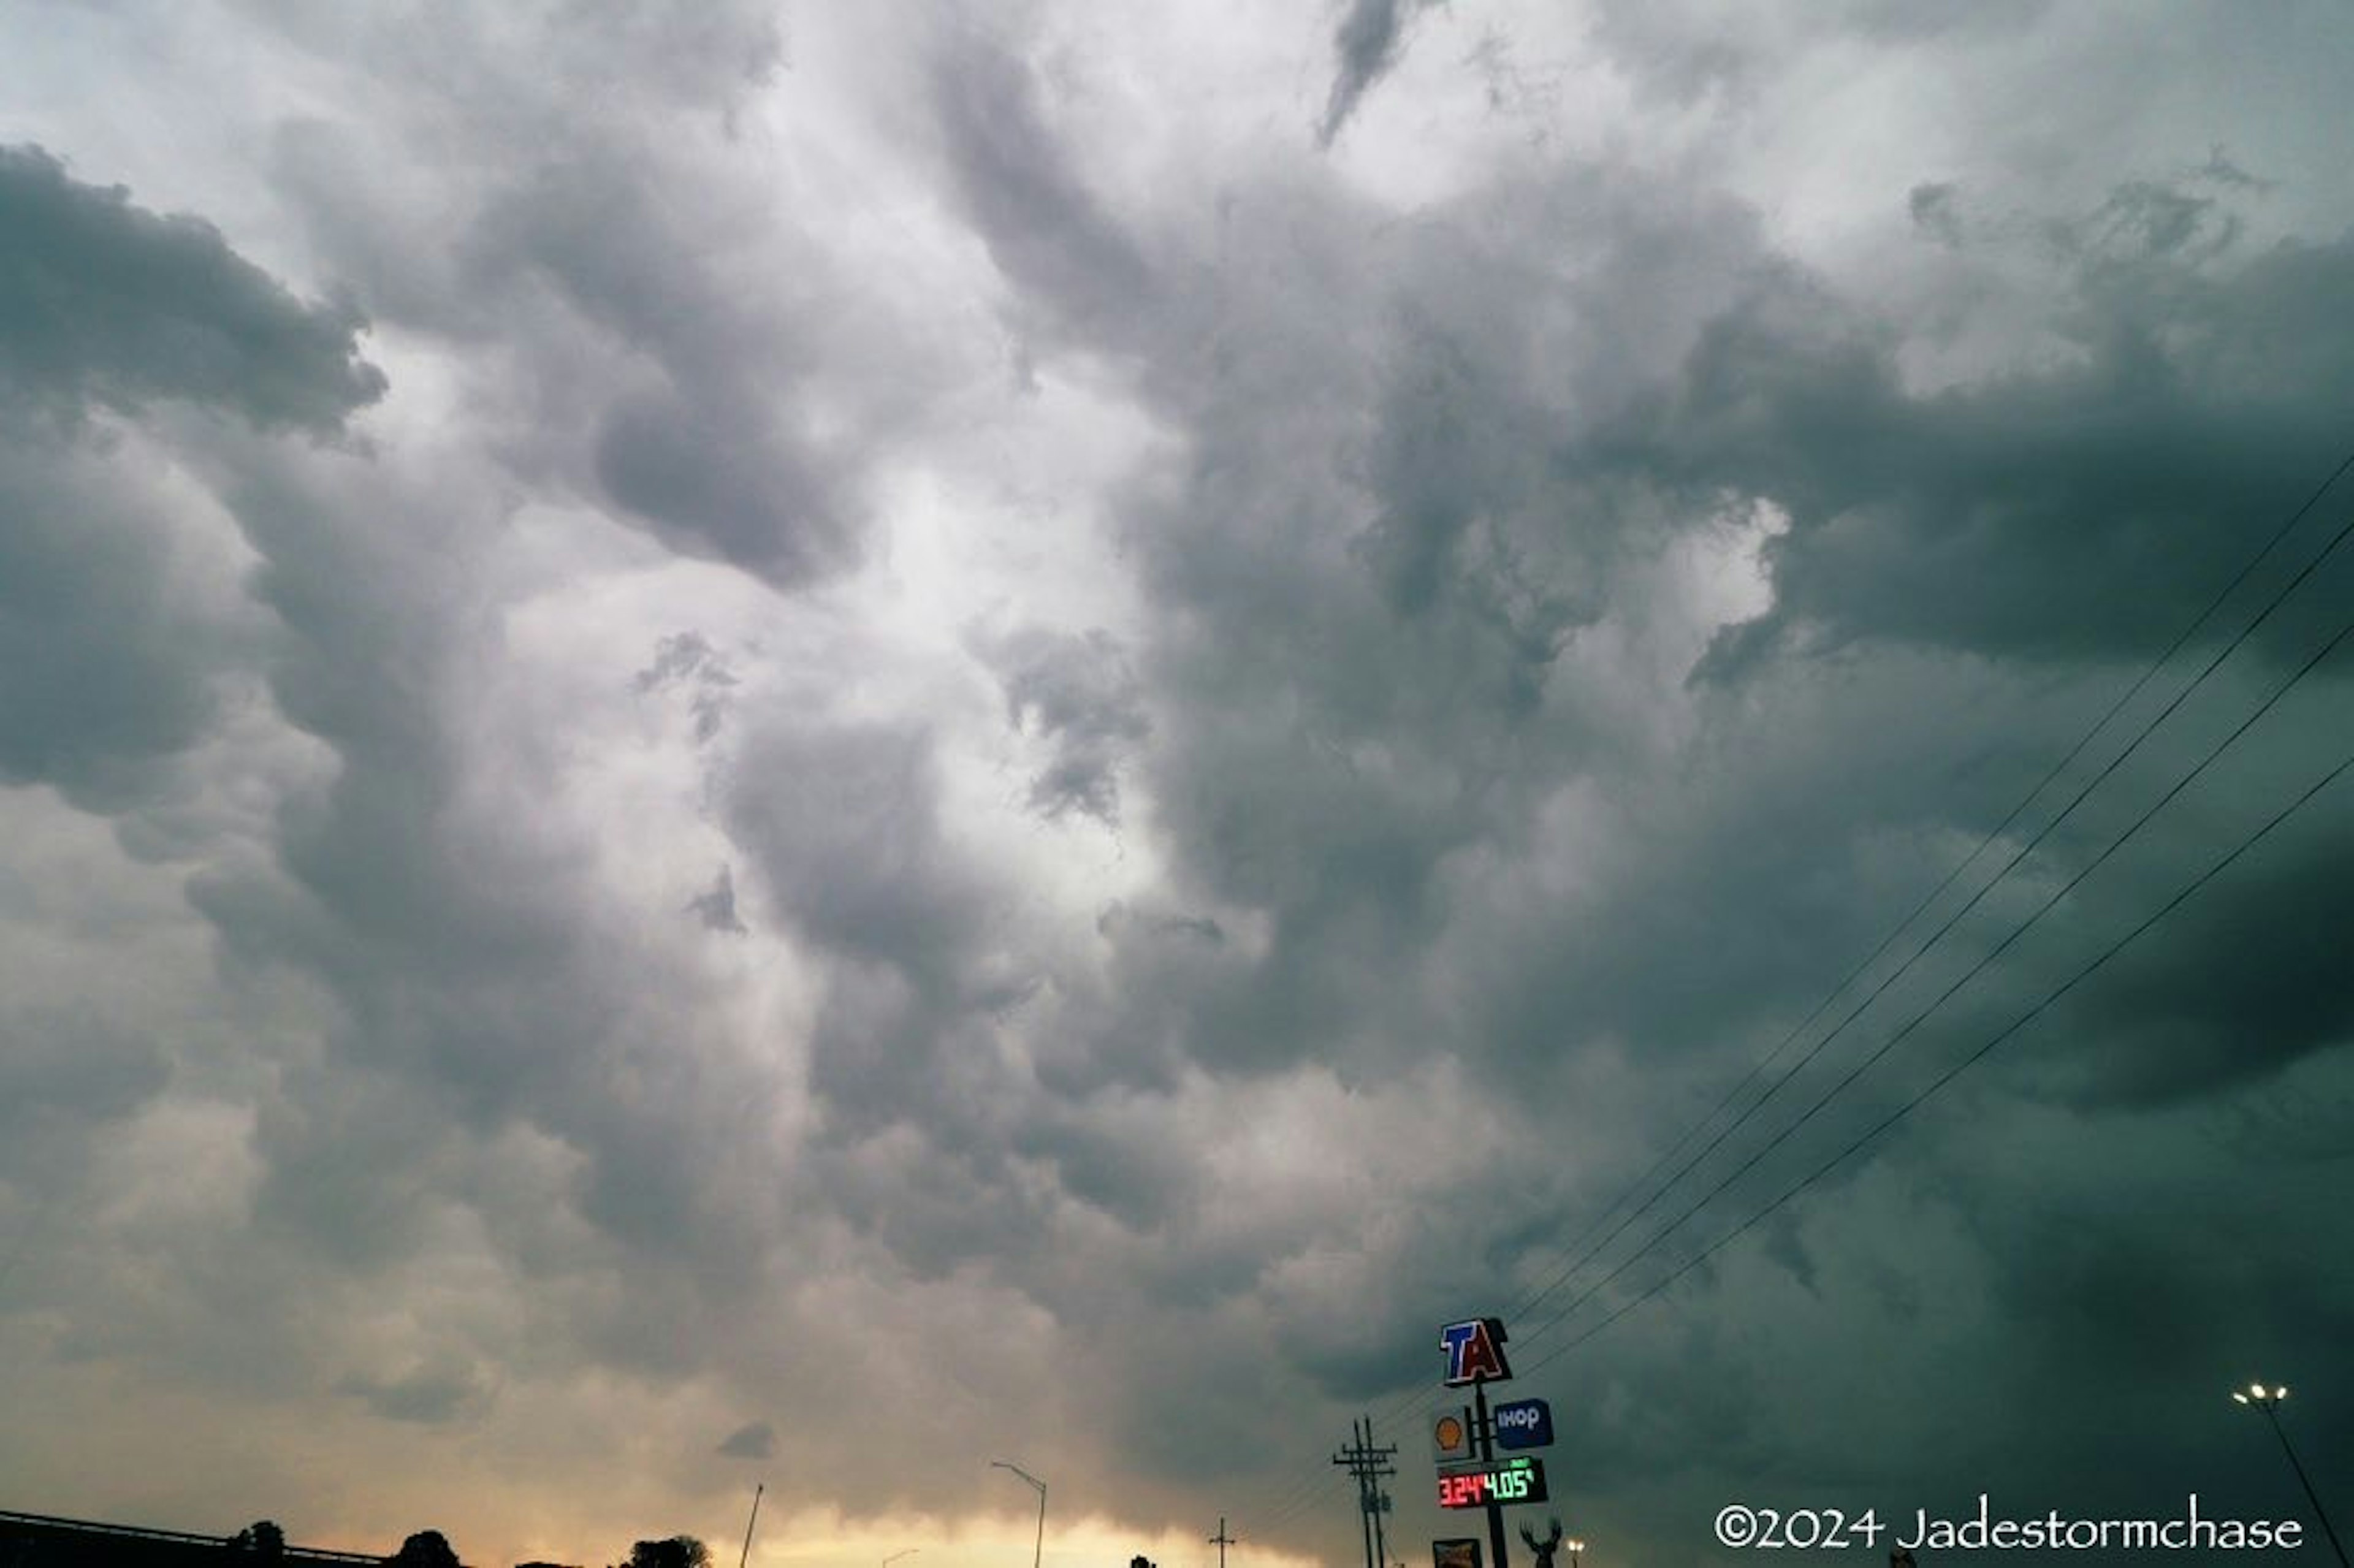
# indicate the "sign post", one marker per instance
pixel 1475 1354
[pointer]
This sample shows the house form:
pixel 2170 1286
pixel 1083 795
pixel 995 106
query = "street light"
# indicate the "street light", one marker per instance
pixel 2268 1401
pixel 1036 1551
pixel 910 1551
pixel 1575 1548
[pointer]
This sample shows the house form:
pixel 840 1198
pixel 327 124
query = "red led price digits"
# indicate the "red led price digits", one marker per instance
pixel 1463 1491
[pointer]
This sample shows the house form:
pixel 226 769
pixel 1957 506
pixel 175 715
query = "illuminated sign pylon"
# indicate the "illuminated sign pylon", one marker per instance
pixel 1474 1351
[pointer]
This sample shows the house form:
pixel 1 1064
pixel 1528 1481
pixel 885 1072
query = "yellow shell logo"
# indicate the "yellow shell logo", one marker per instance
pixel 1449 1432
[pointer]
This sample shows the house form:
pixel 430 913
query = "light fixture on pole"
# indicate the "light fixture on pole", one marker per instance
pixel 2267 1400
pixel 910 1551
pixel 1036 1552
pixel 1575 1548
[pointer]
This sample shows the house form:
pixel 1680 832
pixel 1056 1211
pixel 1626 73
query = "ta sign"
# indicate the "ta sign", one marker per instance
pixel 1524 1424
pixel 1474 1351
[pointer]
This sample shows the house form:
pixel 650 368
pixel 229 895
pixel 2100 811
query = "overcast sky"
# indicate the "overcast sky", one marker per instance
pixel 786 744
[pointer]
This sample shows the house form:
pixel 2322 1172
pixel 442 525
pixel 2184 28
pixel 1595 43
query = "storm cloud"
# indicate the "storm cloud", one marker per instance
pixel 787 748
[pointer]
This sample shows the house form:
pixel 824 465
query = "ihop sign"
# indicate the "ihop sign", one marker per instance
pixel 1524 1424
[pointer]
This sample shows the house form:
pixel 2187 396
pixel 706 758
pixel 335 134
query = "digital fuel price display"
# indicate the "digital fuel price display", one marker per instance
pixel 1518 1480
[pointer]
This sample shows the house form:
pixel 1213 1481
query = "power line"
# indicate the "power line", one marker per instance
pixel 2123 700
pixel 1974 970
pixel 2147 729
pixel 1291 1500
pixel 1950 1074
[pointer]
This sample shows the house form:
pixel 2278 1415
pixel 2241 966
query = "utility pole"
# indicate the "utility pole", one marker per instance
pixel 1222 1541
pixel 1364 1461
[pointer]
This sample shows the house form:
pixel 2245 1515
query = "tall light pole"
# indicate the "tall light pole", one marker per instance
pixel 2268 1401
pixel 1037 1551
pixel 1575 1548
pixel 745 1555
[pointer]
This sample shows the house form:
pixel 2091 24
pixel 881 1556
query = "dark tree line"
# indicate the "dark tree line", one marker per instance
pixel 263 1543
pixel 678 1551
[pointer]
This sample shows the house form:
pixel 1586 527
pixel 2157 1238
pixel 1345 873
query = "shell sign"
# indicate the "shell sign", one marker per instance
pixel 1450 1438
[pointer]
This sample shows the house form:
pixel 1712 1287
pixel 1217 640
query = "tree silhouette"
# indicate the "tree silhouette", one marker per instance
pixel 426 1549
pixel 678 1551
pixel 263 1539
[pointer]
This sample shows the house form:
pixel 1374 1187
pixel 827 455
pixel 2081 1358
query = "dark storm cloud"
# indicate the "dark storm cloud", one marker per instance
pixel 106 671
pixel 756 1441
pixel 842 820
pixel 710 454
pixel 735 489
pixel 475 990
pixel 101 300
pixel 1932 206
pixel 716 906
pixel 845 822
pixel 2245 984
pixel 436 1394
pixel 681 403
pixel 1368 570
pixel 1463 892
pixel 1408 512
pixel 1045 231
pixel 62 1073
pixel 686 660
pixel 1081 694
pixel 1685 51
pixel 1364 46
pixel 2152 463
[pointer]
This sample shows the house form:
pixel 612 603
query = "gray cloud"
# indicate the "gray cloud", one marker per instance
pixel 1364 45
pixel 105 675
pixel 740 493
pixel 1045 228
pixel 111 303
pixel 1082 695
pixel 1554 620
pixel 756 1441
pixel 109 663
pixel 63 1072
pixel 1973 518
pixel 685 658
pixel 716 906
pixel 432 1396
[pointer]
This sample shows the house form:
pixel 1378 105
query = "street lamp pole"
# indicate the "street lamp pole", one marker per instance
pixel 1575 1548
pixel 910 1551
pixel 1037 1552
pixel 2268 1401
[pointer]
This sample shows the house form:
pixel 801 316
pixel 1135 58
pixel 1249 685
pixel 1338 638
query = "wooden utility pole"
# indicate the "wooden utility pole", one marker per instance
pixel 1364 1461
pixel 1222 1541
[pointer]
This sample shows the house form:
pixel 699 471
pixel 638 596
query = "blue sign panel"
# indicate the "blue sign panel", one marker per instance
pixel 1524 1424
